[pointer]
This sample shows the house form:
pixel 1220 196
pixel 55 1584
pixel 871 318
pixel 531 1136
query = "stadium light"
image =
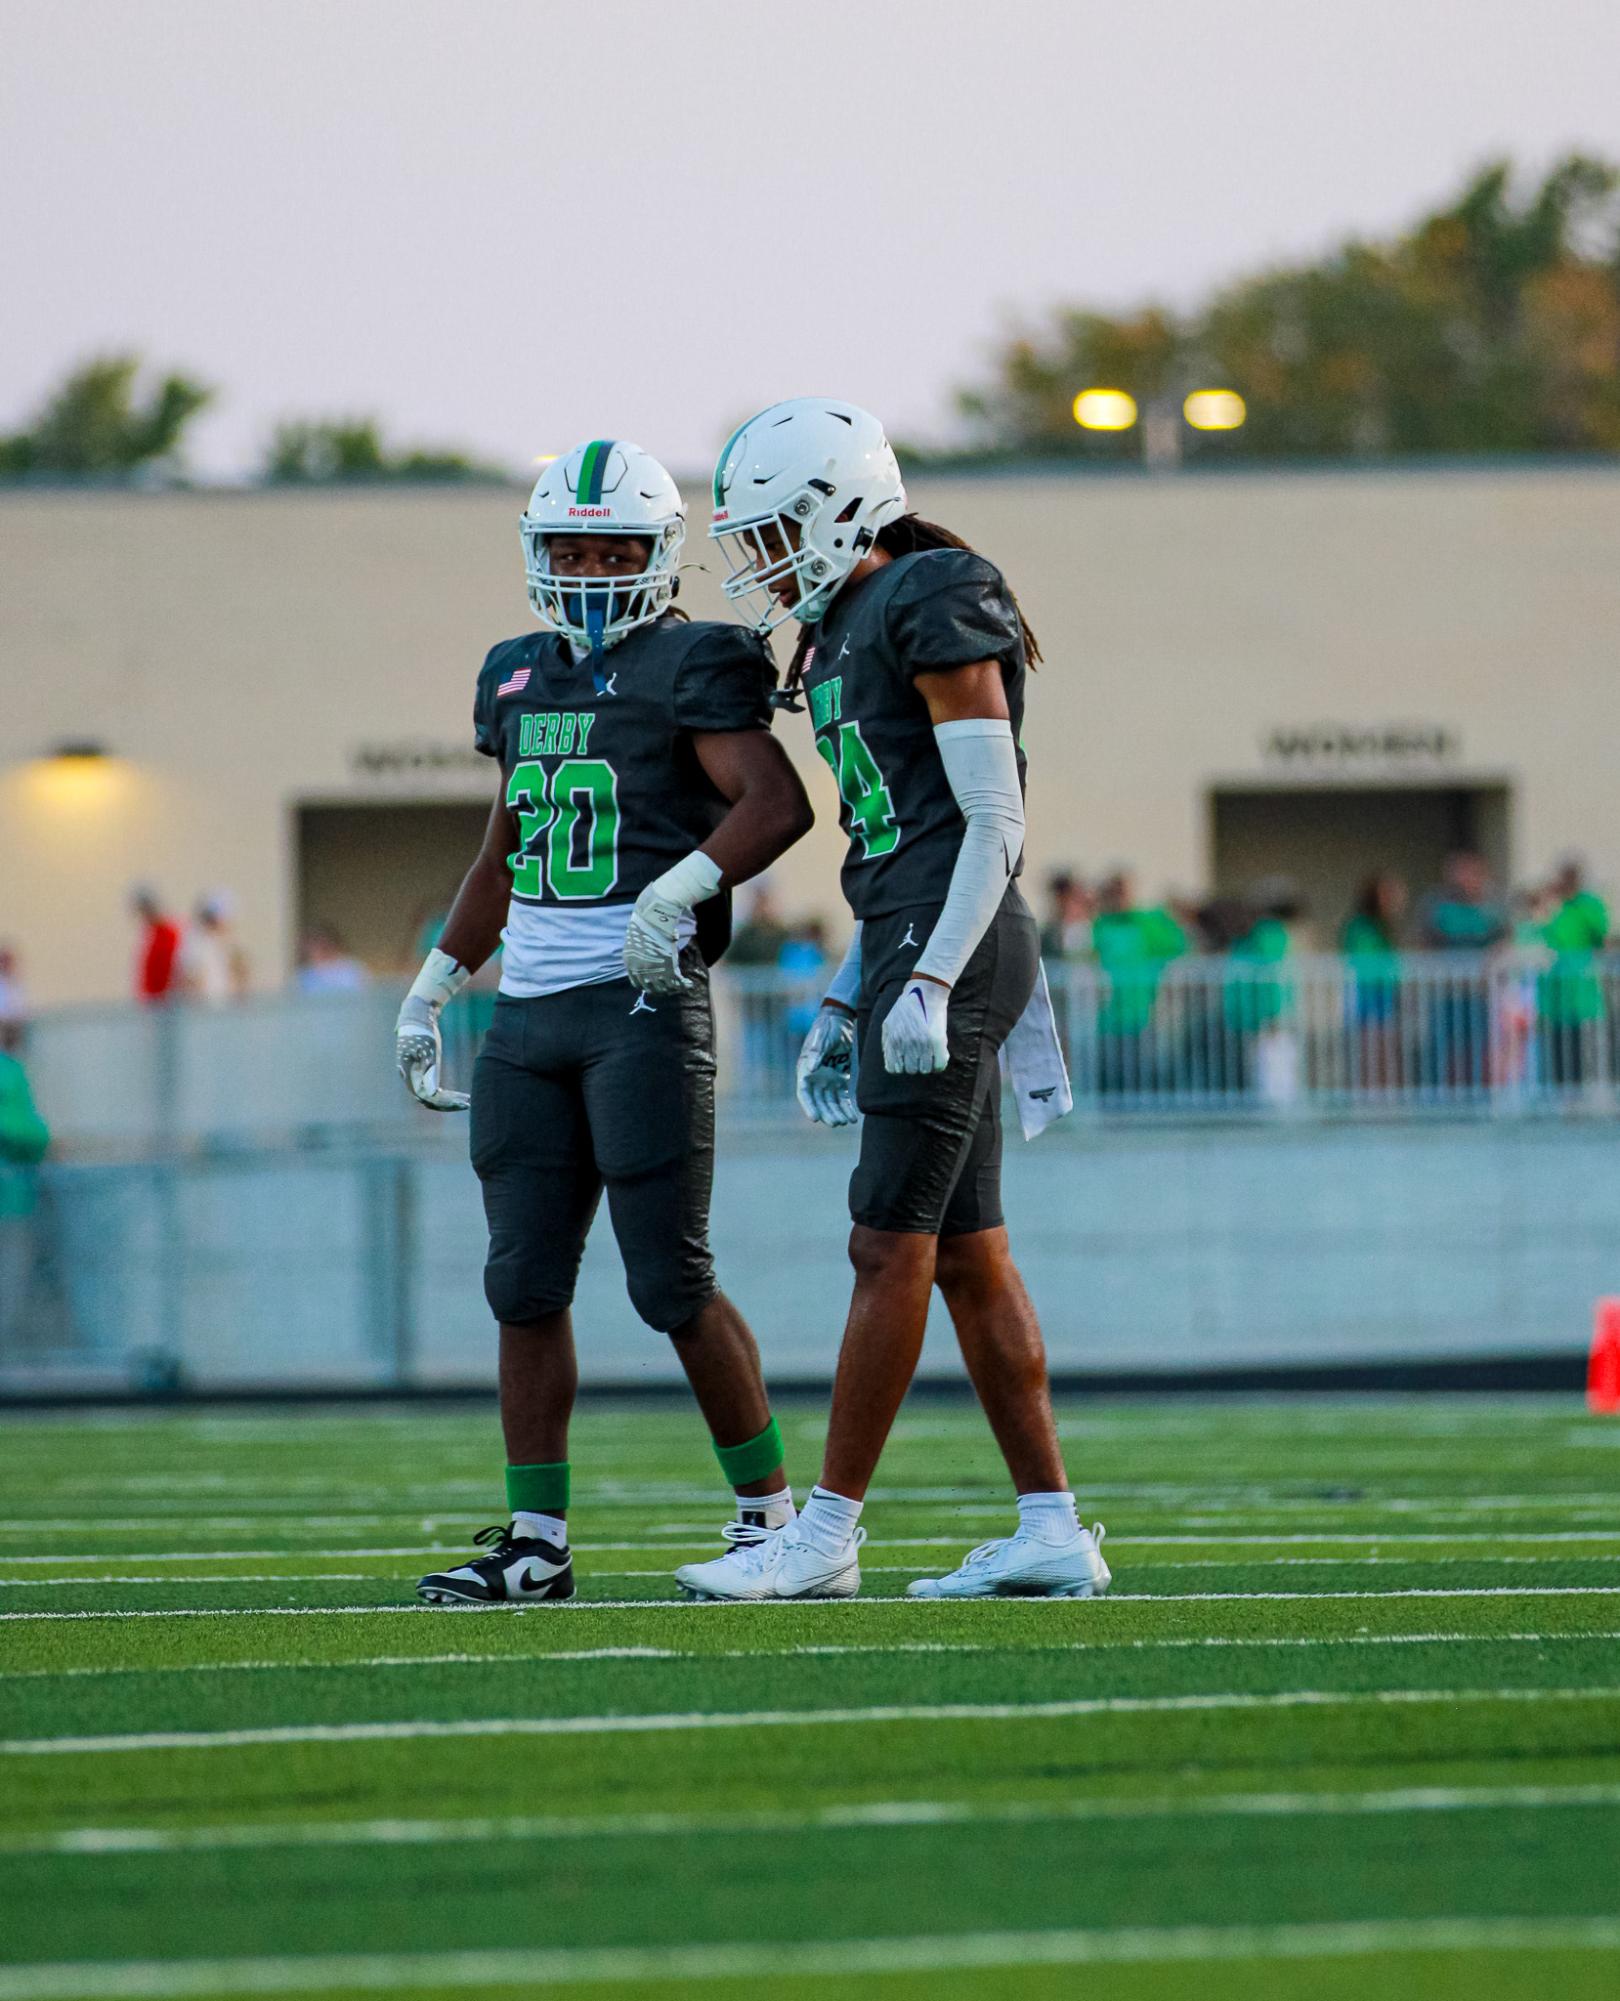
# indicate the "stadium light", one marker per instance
pixel 1104 410
pixel 1215 410
pixel 76 776
pixel 548 458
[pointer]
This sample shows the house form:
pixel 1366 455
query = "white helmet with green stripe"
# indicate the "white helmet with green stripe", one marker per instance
pixel 800 492
pixel 606 487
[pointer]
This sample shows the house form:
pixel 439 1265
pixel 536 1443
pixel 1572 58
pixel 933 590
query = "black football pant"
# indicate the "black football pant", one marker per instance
pixel 599 1087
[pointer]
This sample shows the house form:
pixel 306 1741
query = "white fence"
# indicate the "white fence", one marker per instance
pixel 1508 1036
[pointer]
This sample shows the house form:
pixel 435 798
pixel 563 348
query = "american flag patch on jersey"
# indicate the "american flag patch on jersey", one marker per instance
pixel 516 685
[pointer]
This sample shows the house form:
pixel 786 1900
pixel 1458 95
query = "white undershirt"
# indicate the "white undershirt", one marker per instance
pixel 549 950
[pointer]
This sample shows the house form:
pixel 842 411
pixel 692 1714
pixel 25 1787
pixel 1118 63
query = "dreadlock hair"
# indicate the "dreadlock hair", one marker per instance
pixel 907 535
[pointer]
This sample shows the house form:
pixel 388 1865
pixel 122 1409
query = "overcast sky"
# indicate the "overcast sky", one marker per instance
pixel 512 225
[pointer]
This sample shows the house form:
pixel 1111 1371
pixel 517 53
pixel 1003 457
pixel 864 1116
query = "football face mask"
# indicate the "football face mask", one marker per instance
pixel 800 493
pixel 613 489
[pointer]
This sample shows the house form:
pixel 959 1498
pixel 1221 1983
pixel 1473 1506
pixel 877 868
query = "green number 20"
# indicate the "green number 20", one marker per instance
pixel 862 788
pixel 550 812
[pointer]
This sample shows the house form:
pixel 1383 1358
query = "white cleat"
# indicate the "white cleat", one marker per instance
pixel 1023 1566
pixel 780 1565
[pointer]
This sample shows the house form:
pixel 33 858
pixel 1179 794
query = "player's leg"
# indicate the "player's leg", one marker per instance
pixel 649 1096
pixel 531 1151
pixel 1049 1554
pixel 916 1137
pixel 883 1337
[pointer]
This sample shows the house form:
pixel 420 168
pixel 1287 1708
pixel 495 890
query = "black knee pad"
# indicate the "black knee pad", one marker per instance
pixel 515 1299
pixel 667 1297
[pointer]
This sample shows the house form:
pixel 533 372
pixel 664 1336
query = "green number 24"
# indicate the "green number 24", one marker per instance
pixel 550 812
pixel 863 789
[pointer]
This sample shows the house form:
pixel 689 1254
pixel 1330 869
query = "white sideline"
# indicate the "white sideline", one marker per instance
pixel 158 1980
pixel 855 1814
pixel 773 1719
pixel 510 1657
pixel 575 1605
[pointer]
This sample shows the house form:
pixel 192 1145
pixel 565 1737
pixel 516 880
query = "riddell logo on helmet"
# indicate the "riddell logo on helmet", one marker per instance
pixel 590 513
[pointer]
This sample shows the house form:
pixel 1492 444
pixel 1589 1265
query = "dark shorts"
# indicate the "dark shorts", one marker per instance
pixel 931 1146
pixel 598 1087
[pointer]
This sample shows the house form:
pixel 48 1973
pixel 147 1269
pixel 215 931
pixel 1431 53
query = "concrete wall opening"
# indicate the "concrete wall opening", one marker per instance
pixel 1327 839
pixel 379 873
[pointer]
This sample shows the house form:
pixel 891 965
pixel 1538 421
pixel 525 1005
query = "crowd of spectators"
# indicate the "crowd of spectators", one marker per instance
pixel 1517 994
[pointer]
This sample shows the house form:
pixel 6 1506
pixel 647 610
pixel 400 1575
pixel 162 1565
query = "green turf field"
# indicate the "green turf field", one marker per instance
pixel 1349 1724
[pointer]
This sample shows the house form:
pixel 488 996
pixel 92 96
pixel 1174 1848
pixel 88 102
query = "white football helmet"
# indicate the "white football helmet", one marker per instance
pixel 606 487
pixel 821 475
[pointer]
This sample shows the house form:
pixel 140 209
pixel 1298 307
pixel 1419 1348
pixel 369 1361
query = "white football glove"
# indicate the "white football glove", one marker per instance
pixel 652 952
pixel 914 1043
pixel 652 949
pixel 825 1075
pixel 417 1046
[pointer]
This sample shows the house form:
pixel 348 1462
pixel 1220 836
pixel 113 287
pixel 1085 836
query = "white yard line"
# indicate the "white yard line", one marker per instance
pixel 675 1543
pixel 857 1814
pixel 822 1605
pixel 836 1959
pixel 664 1570
pixel 508 1658
pixel 774 1719
pixel 1206 1510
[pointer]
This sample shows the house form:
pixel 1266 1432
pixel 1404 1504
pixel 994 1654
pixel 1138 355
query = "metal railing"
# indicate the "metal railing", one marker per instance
pixel 1505 1036
pixel 1422 1032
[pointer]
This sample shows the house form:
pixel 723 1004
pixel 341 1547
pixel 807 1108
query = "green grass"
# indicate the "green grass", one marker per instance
pixel 1349 1723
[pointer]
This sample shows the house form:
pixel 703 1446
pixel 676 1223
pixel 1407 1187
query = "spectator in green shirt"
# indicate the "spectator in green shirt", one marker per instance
pixel 1570 992
pixel 1259 997
pixel 23 1140
pixel 1370 942
pixel 1463 913
pixel 1132 947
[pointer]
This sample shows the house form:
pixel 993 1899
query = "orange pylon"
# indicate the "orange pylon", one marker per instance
pixel 1603 1371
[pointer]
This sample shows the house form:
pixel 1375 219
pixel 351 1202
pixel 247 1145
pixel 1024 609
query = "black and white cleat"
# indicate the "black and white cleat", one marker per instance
pixel 519 1570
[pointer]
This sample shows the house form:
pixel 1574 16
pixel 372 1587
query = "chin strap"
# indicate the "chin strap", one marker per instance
pixel 595 624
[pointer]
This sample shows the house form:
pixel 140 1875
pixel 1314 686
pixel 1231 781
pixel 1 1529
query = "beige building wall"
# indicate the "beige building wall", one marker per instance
pixel 242 654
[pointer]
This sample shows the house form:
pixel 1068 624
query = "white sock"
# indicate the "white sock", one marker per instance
pixel 1052 1517
pixel 777 1508
pixel 549 1528
pixel 827 1521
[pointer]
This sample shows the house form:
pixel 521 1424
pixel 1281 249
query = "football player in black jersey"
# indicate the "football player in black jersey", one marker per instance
pixel 912 656
pixel 639 781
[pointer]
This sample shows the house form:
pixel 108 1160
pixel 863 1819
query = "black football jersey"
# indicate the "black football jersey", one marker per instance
pixel 937 609
pixel 607 788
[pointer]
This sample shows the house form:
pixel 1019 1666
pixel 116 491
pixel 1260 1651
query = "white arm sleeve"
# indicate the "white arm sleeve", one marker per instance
pixel 981 763
pixel 845 985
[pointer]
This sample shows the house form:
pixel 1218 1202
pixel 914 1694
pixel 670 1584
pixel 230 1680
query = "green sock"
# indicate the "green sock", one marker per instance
pixel 754 1458
pixel 538 1490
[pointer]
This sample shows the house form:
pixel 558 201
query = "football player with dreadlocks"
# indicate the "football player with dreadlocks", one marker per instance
pixel 912 654
pixel 639 782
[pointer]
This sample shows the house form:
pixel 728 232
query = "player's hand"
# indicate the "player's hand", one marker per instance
pixel 420 1055
pixel 825 1075
pixel 914 1043
pixel 652 952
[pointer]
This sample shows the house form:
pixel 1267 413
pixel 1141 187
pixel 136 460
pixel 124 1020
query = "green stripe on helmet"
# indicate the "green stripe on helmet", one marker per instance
pixel 720 463
pixel 592 472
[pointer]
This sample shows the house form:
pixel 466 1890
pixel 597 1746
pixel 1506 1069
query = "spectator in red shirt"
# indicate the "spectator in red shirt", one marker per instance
pixel 156 963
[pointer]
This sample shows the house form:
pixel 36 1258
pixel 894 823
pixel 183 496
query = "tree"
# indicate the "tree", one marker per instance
pixel 92 425
pixel 1493 325
pixel 325 454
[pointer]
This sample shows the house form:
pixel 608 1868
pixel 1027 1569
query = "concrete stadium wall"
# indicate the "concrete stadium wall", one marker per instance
pixel 243 653
pixel 1177 1250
